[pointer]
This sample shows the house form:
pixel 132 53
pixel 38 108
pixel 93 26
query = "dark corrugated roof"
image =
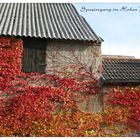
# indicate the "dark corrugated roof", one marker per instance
pixel 44 20
pixel 121 70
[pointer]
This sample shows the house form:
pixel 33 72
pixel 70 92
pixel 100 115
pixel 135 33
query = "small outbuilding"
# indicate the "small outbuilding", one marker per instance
pixel 54 36
pixel 120 71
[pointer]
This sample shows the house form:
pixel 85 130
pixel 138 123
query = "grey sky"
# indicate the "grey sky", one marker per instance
pixel 117 24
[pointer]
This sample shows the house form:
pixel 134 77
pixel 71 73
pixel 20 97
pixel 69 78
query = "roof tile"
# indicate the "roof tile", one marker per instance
pixel 120 70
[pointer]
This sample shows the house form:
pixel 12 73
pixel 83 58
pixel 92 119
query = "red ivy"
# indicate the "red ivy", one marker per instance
pixel 27 99
pixel 10 56
pixel 128 98
pixel 46 105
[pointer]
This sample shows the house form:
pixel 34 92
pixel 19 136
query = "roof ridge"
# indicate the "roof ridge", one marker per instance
pixel 135 59
pixel 119 57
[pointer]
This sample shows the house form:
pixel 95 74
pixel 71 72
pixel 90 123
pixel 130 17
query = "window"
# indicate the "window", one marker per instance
pixel 34 55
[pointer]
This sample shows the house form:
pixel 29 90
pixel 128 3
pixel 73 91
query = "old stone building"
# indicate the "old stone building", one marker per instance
pixel 54 36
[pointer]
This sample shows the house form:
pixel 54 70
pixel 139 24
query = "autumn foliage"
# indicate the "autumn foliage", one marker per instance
pixel 48 105
pixel 128 99
pixel 10 56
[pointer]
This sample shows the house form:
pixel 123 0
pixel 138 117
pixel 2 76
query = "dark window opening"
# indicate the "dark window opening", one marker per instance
pixel 34 55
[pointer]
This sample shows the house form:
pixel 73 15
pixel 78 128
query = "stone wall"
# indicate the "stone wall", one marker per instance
pixel 60 54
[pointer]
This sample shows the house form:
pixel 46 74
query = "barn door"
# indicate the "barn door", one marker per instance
pixel 33 55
